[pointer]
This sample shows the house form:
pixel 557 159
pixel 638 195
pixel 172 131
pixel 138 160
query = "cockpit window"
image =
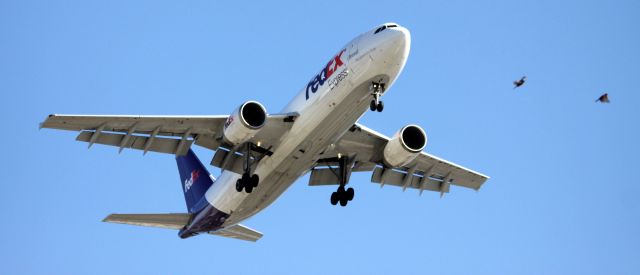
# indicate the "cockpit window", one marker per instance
pixel 384 28
pixel 380 29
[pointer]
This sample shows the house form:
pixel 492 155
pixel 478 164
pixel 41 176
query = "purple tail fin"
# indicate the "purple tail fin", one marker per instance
pixel 194 177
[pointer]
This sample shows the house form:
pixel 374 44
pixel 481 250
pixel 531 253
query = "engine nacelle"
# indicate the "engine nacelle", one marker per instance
pixel 244 122
pixel 404 146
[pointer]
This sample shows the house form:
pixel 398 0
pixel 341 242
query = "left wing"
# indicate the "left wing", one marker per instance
pixel 165 134
pixel 426 172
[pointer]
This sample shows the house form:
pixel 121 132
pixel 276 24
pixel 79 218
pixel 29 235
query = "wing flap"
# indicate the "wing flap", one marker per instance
pixel 461 176
pixel 397 178
pixel 323 176
pixel 231 161
pixel 168 221
pixel 158 144
pixel 240 232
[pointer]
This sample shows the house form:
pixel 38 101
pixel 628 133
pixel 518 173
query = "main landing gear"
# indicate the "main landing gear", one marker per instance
pixel 377 89
pixel 341 195
pixel 248 181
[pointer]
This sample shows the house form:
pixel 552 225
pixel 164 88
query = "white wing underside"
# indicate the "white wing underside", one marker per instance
pixel 426 172
pixel 164 134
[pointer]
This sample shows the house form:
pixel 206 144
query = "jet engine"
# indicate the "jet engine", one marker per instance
pixel 244 122
pixel 404 146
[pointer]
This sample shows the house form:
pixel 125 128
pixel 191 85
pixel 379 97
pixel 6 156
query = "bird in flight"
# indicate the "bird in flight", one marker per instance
pixel 519 82
pixel 603 98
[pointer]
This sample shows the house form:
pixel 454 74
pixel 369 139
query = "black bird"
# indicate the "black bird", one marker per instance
pixel 520 82
pixel 603 98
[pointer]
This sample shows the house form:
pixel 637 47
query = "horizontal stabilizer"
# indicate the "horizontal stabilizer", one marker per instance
pixel 178 221
pixel 169 221
pixel 240 232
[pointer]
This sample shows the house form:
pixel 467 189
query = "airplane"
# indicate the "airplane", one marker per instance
pixel 260 154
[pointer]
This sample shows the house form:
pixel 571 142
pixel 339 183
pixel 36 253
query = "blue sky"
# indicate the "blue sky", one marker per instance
pixel 563 193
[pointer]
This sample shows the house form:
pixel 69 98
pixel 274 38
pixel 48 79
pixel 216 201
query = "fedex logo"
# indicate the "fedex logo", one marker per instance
pixel 189 182
pixel 323 75
pixel 228 122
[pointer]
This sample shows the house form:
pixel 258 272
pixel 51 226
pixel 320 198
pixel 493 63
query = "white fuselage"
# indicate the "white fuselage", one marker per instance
pixel 327 107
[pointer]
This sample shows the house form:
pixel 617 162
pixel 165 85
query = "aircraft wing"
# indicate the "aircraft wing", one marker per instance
pixel 165 134
pixel 426 172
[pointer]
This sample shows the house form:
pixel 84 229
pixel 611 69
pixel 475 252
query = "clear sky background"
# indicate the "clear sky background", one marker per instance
pixel 563 193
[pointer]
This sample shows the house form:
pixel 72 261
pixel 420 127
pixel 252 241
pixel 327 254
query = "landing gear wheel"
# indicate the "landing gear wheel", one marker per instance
pixel 380 106
pixel 343 199
pixel 334 198
pixel 254 180
pixel 344 195
pixel 349 194
pixel 239 185
pixel 249 181
pixel 372 106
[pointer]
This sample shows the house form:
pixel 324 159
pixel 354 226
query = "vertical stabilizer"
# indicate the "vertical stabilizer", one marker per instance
pixel 195 178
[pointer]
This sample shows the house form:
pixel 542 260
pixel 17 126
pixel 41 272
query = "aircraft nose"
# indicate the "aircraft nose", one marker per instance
pixel 399 42
pixel 401 34
pixel 393 48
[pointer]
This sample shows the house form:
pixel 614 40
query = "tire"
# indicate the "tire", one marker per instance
pixel 380 106
pixel 254 180
pixel 334 198
pixel 248 188
pixel 343 202
pixel 349 194
pixel 372 106
pixel 238 185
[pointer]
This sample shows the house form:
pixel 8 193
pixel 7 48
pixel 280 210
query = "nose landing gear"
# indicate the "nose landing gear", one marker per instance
pixel 377 88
